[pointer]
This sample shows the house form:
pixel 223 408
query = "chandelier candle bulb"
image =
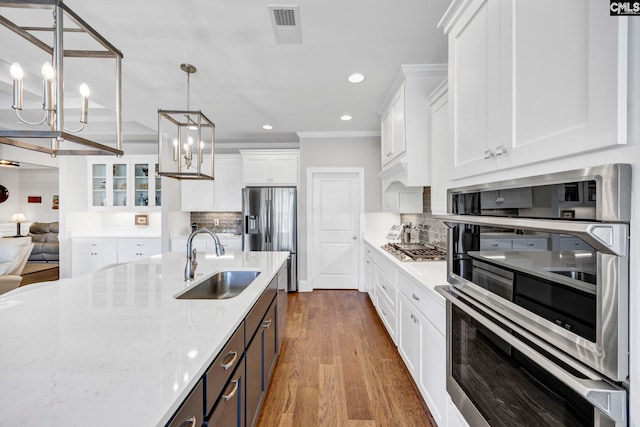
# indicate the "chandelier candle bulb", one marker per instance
pixel 47 84
pixel 17 74
pixel 176 150
pixel 84 109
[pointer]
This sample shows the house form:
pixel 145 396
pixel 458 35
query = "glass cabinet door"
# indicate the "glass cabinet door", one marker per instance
pixel 119 184
pixel 141 182
pixel 99 184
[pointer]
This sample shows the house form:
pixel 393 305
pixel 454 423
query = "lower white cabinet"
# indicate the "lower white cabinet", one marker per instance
pixel 134 249
pixel 92 254
pixel 369 275
pixel 422 345
pixel 414 316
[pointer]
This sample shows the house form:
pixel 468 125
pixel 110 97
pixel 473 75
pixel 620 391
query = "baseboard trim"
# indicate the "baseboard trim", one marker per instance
pixel 304 286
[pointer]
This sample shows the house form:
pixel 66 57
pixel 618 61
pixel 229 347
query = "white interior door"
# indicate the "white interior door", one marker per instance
pixel 335 229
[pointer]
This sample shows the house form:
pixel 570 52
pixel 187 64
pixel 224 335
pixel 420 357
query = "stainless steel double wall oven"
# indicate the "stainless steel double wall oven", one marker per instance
pixel 537 314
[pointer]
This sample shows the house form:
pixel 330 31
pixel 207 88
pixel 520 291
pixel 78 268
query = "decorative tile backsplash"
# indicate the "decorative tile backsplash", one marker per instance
pixel 226 221
pixel 431 230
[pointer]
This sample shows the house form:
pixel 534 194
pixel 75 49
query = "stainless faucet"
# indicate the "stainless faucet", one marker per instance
pixel 190 268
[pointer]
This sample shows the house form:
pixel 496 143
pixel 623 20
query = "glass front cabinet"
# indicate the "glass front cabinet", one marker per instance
pixel 123 183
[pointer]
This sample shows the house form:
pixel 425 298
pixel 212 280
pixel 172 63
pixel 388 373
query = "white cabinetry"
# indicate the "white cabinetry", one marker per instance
pixel 441 148
pixel 135 249
pixel 92 254
pixel 394 136
pixel 223 194
pixel 369 272
pixel 405 137
pixel 519 96
pixel 398 198
pixel 421 343
pixel 269 167
pixel 126 183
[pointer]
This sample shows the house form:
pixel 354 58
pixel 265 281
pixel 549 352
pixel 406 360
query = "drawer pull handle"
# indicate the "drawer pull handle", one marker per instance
pixel 415 297
pixel 233 392
pixel 189 422
pixel 229 364
pixel 266 324
pixel 384 287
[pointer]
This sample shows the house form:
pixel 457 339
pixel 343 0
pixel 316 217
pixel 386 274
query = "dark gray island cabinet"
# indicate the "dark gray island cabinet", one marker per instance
pixel 232 390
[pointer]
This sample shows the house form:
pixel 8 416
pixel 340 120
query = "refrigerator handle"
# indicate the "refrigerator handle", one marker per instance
pixel 269 235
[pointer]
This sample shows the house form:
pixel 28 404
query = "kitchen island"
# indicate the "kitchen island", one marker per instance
pixel 115 347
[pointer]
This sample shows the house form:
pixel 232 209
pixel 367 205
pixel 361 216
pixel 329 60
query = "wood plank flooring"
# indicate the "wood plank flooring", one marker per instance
pixel 339 367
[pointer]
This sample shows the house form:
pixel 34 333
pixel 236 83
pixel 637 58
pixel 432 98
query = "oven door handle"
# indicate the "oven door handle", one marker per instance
pixel 609 399
pixel 609 238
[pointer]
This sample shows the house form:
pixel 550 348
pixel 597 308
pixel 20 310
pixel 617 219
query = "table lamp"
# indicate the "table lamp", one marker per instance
pixel 18 218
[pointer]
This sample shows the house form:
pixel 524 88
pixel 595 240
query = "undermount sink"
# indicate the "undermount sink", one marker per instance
pixel 581 275
pixel 222 285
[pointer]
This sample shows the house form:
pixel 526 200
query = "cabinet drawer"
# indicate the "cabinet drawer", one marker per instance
pixel 222 367
pixel 255 316
pixel 387 314
pixel 539 244
pixel 386 287
pixel 495 244
pixel 430 305
pixel 191 409
pixel 388 268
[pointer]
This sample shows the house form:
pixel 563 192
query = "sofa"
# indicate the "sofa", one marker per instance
pixel 44 236
pixel 13 257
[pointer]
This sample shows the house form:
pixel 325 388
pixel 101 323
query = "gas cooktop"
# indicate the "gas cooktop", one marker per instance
pixel 416 251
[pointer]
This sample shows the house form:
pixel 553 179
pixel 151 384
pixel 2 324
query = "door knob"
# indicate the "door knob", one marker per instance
pixel 355 237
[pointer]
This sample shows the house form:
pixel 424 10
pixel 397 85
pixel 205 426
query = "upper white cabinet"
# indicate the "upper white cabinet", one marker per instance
pixel 270 167
pixel 441 148
pixel 129 182
pixel 519 95
pixel 223 194
pixel 405 130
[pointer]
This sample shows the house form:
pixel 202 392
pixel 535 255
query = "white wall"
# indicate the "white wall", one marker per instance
pixel 22 183
pixel 336 151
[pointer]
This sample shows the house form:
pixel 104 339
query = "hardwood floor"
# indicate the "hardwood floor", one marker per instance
pixel 338 367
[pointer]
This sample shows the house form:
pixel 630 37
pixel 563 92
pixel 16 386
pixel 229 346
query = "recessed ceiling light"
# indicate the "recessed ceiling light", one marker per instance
pixel 267 127
pixel 346 117
pixel 356 78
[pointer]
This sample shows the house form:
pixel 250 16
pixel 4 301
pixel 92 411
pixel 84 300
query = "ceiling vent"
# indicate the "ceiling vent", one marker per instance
pixel 286 23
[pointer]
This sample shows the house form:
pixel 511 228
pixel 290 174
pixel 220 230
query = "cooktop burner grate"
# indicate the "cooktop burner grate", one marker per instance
pixel 415 252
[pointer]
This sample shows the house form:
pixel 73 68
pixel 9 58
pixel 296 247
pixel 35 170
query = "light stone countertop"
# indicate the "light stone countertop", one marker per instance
pixel 428 273
pixel 115 348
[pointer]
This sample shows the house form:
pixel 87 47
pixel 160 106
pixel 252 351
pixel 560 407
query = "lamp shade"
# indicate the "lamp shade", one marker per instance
pixel 18 217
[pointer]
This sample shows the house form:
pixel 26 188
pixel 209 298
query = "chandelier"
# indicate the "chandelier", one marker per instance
pixel 185 138
pixel 49 133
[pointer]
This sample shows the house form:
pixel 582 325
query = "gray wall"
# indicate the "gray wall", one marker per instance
pixel 334 152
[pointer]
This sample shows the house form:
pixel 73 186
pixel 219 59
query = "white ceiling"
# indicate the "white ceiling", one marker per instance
pixel 244 79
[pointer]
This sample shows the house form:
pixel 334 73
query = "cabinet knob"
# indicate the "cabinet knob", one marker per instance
pixel 415 297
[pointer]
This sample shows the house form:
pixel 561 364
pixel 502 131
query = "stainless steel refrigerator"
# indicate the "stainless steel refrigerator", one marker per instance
pixel 270 224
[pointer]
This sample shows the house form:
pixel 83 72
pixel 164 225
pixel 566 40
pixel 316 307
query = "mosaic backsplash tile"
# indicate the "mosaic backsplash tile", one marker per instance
pixel 431 230
pixel 228 222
